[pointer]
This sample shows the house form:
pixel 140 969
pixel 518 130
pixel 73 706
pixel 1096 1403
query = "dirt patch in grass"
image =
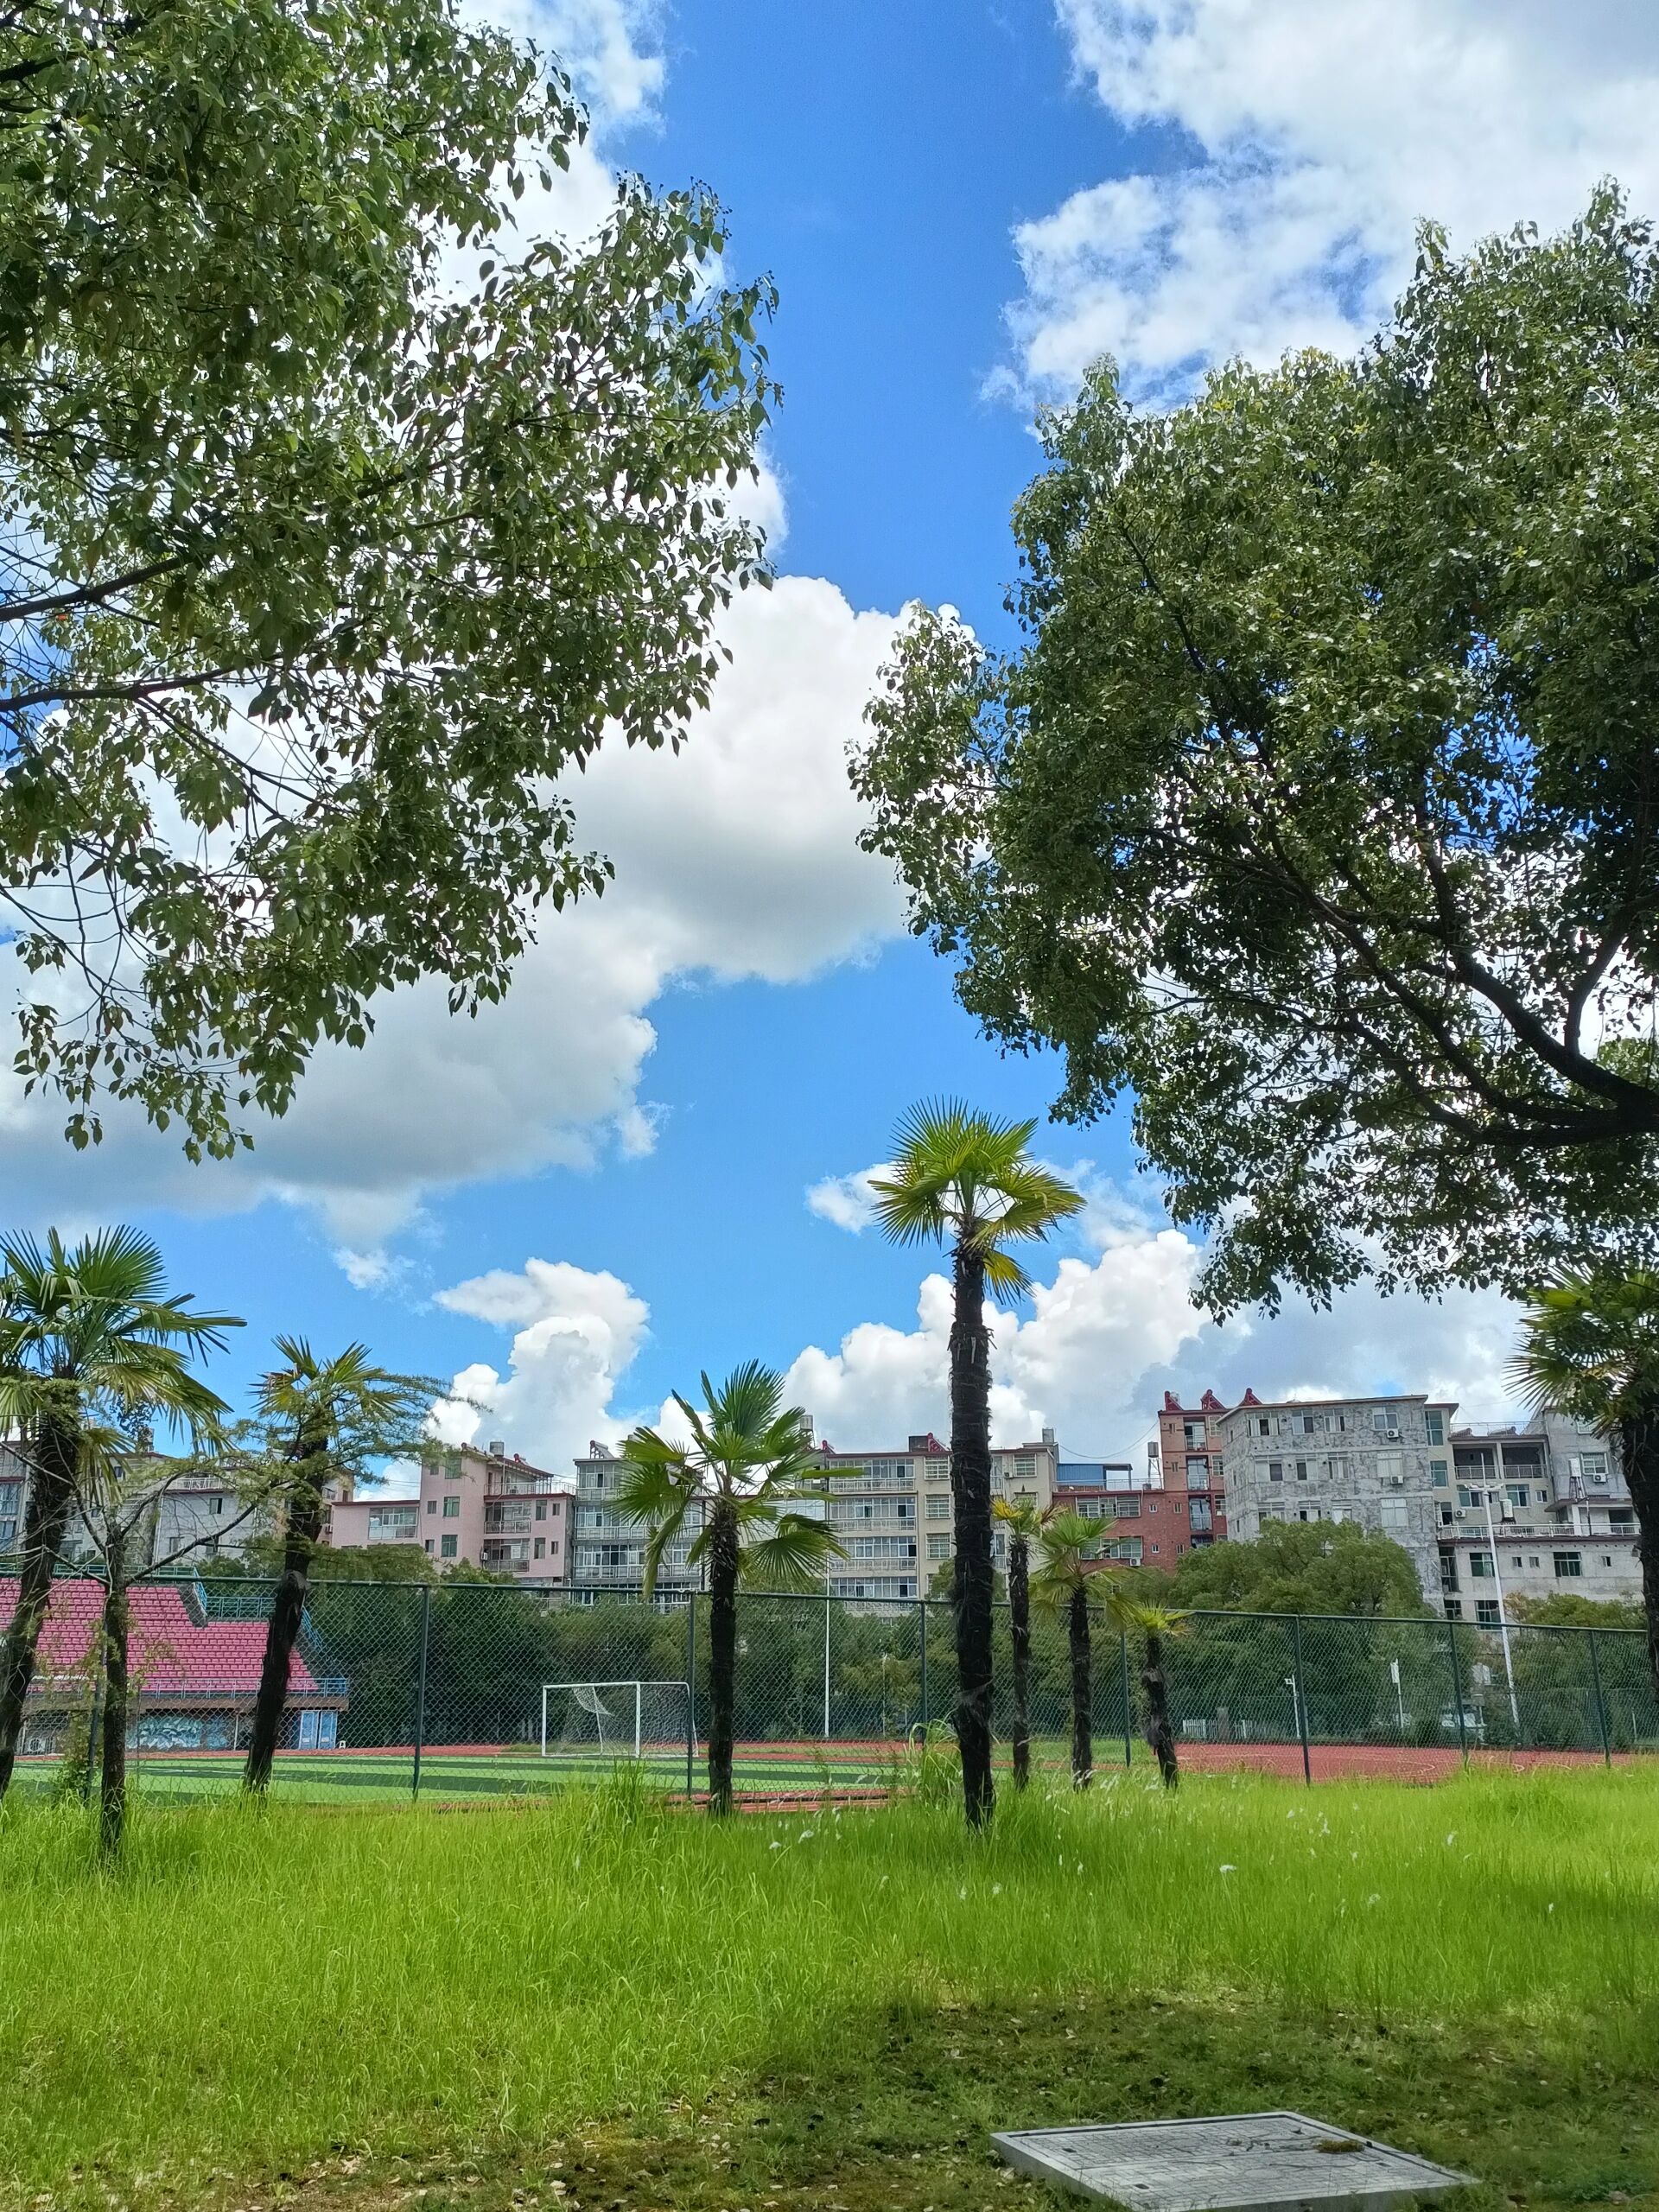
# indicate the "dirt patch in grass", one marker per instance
pixel 905 2128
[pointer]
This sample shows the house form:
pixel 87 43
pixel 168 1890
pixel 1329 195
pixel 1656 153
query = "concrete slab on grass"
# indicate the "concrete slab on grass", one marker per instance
pixel 1245 2162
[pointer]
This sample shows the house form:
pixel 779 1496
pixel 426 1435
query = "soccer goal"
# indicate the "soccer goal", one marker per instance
pixel 616 1720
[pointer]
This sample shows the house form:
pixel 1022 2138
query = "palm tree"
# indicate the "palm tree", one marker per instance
pixel 1067 1579
pixel 1590 1348
pixel 330 1416
pixel 743 1477
pixel 1023 1522
pixel 963 1179
pixel 88 1341
pixel 1153 1623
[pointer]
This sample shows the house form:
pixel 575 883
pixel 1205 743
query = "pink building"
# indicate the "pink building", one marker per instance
pixel 485 1507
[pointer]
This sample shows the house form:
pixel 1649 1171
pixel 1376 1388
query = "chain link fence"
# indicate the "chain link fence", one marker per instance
pixel 460 1691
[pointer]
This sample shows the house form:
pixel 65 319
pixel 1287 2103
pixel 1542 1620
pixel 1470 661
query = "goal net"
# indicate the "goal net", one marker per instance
pixel 616 1720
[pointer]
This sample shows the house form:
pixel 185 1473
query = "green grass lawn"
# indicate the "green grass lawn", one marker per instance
pixel 591 2001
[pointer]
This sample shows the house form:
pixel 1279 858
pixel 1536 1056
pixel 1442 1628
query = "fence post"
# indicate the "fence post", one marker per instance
pixel 420 1687
pixel 1457 1691
pixel 922 1604
pixel 1129 1710
pixel 1301 1701
pixel 1601 1702
pixel 690 1691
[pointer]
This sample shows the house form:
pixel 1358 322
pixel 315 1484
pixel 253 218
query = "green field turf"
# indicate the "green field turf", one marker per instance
pixel 589 2001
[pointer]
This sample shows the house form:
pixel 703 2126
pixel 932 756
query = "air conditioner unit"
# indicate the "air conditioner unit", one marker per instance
pixel 1390 1435
pixel 1602 1478
pixel 1395 1482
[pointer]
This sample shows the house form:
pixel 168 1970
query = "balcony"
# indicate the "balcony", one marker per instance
pixel 511 1482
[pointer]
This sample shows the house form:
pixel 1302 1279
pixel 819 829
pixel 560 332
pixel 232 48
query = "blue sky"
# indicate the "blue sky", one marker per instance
pixel 586 1199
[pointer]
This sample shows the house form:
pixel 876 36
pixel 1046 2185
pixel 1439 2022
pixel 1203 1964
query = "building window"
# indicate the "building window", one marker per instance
pixel 1434 1422
pixel 1480 1565
pixel 541 1509
pixel 939 1547
pixel 1486 1613
pixel 1593 1466
pixel 1390 1467
pixel 1275 1471
pixel 1337 1470
pixel 449 1546
pixel 1438 1474
pixel 1308 1513
pixel 1394 1513
pixel 1621 1521
pixel 431 1504
pixel 1516 1562
pixel 1515 1492
pixel 1301 1470
pixel 938 1505
pixel 1193 1431
pixel 429 1547
pixel 1197 1471
pixel 1569 1566
pixel 1180 1508
pixel 1263 1426
pixel 1454 1609
pixel 1448 1570
pixel 540 1547
pixel 452 1507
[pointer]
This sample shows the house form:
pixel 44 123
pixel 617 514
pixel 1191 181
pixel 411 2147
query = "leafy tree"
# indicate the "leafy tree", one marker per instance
pixel 738 1485
pixel 324 563
pixel 90 1345
pixel 1318 809
pixel 1023 1523
pixel 966 1180
pixel 1067 1577
pixel 1590 1345
pixel 1302 1567
pixel 328 1417
pixel 1561 1609
pixel 118 1491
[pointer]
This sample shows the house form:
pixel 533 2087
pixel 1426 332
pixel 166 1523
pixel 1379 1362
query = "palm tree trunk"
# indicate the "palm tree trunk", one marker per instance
pixel 1159 1735
pixel 1638 1450
pixel 1082 1689
pixel 722 1651
pixel 113 1778
pixel 970 1489
pixel 51 1495
pixel 1020 1636
pixel 303 1530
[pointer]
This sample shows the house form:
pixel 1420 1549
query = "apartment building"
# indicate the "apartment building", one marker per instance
pixel 488 1508
pixel 890 1508
pixel 1148 1528
pixel 1534 1512
pixel 1383 1462
pixel 609 1546
pixel 1187 1457
pixel 199 1516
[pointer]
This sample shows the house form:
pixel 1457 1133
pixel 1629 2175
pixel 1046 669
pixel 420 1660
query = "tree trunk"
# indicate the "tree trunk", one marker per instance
pixel 970 1490
pixel 1159 1735
pixel 1020 1636
pixel 722 1651
pixel 1638 1450
pixel 1082 1689
pixel 112 1778
pixel 304 1528
pixel 51 1495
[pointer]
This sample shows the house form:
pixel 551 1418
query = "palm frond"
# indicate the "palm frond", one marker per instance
pixel 793 1556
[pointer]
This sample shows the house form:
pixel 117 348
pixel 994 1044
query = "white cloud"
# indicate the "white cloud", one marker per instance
pixel 736 858
pixel 1308 138
pixel 574 1334
pixel 847 1200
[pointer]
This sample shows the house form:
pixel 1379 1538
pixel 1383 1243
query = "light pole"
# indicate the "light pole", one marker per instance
pixel 1502 1616
pixel 1295 1707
